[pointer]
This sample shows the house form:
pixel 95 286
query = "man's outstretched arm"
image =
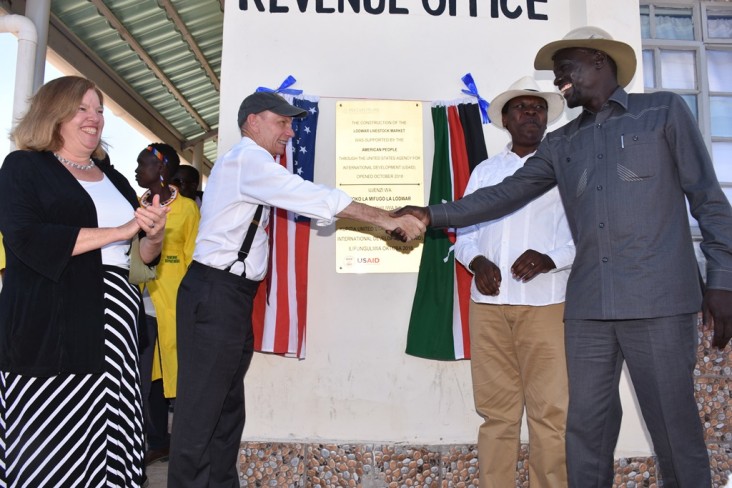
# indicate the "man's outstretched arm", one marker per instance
pixel 405 227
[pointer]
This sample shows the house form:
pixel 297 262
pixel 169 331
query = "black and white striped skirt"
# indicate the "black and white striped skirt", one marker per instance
pixel 79 430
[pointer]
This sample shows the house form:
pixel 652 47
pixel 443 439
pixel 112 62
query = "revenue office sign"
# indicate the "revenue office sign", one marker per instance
pixel 510 9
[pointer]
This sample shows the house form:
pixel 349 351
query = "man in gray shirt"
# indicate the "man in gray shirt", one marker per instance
pixel 625 168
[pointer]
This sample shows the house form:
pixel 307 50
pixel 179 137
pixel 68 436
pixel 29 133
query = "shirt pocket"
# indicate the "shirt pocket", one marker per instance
pixel 639 154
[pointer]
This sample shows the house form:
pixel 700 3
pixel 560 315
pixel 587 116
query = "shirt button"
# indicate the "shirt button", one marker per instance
pixel 602 225
pixel 604 260
pixel 599 187
pixel 635 138
pixel 599 156
pixel 599 126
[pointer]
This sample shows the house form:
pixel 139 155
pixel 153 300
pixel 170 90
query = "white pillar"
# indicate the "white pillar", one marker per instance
pixel 24 29
pixel 39 12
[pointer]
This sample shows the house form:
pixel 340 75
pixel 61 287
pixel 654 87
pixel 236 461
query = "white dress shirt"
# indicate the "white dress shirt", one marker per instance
pixel 541 225
pixel 244 177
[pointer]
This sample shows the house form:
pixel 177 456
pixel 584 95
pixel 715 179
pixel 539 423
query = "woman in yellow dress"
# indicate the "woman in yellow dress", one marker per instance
pixel 155 166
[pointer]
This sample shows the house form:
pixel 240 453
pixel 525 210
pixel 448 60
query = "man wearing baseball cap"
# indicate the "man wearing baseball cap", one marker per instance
pixel 520 265
pixel 626 168
pixel 214 327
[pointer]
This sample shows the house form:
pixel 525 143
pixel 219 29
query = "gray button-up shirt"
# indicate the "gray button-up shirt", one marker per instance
pixel 623 174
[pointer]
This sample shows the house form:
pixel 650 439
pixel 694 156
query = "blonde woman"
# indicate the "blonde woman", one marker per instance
pixel 70 400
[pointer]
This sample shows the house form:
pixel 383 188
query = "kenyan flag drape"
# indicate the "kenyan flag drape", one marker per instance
pixel 280 306
pixel 438 327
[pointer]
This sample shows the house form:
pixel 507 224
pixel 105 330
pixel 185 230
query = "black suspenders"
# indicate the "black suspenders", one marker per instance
pixel 247 244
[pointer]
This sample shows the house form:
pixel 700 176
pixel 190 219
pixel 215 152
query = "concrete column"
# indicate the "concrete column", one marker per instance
pixel 26 32
pixel 39 12
pixel 198 160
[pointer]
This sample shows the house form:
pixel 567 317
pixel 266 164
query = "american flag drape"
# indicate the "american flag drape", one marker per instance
pixel 280 307
pixel 438 326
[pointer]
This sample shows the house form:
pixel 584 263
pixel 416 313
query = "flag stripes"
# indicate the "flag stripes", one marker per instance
pixel 280 307
pixel 460 172
pixel 438 326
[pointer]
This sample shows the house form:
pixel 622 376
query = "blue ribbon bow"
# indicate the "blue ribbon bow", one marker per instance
pixel 473 91
pixel 289 81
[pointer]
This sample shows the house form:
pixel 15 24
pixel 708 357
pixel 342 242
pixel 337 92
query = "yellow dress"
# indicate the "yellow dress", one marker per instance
pixel 2 260
pixel 2 254
pixel 178 243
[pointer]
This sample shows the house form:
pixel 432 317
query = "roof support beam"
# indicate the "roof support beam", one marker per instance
pixel 202 138
pixel 181 26
pixel 140 51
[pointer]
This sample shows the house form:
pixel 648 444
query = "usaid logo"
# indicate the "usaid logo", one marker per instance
pixel 367 260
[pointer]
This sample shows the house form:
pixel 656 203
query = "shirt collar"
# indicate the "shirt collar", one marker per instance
pixel 508 152
pixel 619 96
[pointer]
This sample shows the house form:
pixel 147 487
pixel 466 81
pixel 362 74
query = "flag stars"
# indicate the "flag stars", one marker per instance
pixel 306 129
pixel 312 110
pixel 303 149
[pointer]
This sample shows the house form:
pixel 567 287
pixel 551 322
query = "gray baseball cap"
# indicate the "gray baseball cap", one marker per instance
pixel 260 101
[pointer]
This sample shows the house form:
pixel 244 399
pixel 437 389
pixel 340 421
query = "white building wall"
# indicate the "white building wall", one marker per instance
pixel 356 383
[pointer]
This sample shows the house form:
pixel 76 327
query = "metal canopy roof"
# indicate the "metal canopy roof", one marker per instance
pixel 160 60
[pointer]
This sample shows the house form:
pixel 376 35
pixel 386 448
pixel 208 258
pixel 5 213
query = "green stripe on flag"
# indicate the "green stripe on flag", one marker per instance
pixel 430 325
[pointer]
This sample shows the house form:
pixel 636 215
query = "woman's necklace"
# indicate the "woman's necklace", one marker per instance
pixel 146 198
pixel 82 167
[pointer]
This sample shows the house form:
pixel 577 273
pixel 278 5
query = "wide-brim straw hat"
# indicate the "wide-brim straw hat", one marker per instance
pixel 593 38
pixel 525 86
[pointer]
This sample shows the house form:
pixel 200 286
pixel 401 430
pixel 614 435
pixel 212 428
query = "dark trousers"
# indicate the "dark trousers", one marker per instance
pixel 215 347
pixel 154 403
pixel 660 354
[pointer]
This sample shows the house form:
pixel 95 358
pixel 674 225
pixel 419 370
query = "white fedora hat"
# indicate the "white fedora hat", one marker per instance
pixel 592 38
pixel 525 86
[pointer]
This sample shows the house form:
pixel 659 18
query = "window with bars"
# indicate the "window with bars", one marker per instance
pixel 687 49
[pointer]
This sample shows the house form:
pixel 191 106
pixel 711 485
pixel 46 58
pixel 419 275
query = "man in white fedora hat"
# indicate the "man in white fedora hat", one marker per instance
pixel 625 168
pixel 520 265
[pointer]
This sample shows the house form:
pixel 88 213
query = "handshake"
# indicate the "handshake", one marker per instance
pixel 408 222
pixel 404 224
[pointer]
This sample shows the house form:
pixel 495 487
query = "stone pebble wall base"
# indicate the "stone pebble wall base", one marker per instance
pixel 296 465
pixel 264 464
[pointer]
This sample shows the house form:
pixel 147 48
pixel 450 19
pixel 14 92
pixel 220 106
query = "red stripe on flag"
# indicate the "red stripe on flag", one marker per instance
pixel 460 165
pixel 463 278
pixel 282 321
pixel 258 310
pixel 302 243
